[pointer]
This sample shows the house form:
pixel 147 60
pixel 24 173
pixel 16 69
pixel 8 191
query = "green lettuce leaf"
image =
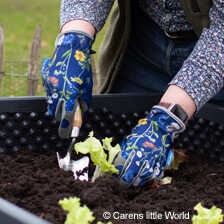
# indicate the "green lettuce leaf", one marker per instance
pixel 90 145
pixel 207 216
pixel 113 151
pixel 76 214
pixel 97 154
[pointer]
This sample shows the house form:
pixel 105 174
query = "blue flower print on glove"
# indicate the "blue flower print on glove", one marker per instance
pixel 67 77
pixel 148 149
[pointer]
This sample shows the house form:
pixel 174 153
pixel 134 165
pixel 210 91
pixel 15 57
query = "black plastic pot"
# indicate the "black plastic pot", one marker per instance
pixel 25 124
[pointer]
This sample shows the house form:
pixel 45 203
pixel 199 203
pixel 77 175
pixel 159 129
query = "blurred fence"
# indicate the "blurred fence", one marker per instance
pixel 21 78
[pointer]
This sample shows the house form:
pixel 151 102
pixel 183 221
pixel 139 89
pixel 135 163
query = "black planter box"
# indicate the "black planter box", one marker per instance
pixel 25 123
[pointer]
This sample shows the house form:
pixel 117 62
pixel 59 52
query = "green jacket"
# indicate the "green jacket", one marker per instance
pixel 115 41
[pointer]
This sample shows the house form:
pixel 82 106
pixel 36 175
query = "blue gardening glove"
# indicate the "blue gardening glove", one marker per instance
pixel 148 149
pixel 67 78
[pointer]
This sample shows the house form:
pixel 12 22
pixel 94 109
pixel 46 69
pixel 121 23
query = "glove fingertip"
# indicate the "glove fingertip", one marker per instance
pixel 45 66
pixel 170 157
pixel 124 185
pixel 119 168
pixel 50 111
pixel 63 132
pixel 64 123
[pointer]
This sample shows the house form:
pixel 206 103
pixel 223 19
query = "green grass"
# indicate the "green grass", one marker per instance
pixel 19 19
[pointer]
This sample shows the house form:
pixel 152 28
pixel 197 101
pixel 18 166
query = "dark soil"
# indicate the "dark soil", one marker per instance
pixel 33 181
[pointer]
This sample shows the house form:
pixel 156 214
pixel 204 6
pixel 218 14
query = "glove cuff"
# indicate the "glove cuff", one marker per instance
pixel 177 110
pixel 61 35
pixel 177 126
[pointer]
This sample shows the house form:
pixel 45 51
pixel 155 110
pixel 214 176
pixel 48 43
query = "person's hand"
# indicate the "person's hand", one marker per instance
pixel 148 149
pixel 67 78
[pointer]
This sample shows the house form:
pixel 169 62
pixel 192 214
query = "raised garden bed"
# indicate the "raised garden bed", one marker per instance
pixel 30 177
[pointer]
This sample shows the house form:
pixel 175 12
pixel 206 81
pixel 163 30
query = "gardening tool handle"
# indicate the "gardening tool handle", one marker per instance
pixel 77 121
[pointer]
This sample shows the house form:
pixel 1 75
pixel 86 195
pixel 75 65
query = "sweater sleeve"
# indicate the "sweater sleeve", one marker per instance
pixel 92 11
pixel 201 75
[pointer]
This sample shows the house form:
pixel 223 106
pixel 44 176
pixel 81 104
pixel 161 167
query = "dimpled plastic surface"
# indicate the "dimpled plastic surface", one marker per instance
pixel 38 131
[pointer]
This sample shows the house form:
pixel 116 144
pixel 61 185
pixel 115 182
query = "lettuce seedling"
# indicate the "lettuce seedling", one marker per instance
pixel 207 216
pixel 98 156
pixel 76 213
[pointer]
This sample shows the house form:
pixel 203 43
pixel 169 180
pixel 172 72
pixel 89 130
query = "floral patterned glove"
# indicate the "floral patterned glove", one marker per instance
pixel 148 149
pixel 67 77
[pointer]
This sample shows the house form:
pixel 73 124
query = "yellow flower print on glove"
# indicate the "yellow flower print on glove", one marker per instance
pixel 80 56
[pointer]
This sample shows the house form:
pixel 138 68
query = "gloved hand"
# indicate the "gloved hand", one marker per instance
pixel 67 77
pixel 148 149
